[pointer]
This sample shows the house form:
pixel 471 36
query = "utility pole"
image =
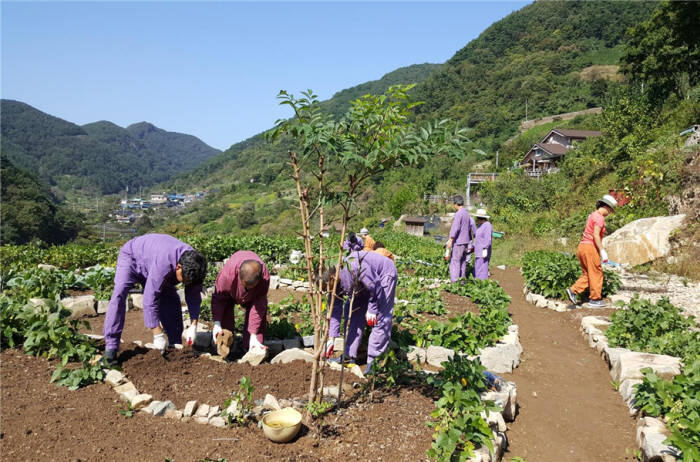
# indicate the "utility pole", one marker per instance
pixel 496 159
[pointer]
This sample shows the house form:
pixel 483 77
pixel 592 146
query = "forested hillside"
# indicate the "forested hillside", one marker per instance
pixel 30 212
pixel 559 56
pixel 99 157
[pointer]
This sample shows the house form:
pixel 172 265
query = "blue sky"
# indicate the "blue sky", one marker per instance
pixel 213 69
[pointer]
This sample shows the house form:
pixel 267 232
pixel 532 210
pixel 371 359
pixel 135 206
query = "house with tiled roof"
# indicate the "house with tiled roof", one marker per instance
pixel 544 157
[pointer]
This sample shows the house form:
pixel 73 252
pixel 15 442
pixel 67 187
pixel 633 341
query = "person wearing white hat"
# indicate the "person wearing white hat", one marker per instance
pixel 369 242
pixel 482 245
pixel 591 254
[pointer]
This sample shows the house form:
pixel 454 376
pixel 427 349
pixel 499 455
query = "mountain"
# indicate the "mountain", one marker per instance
pixel 97 157
pixel 550 57
pixel 546 58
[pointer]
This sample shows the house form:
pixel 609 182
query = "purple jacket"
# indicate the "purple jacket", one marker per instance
pixel 154 258
pixel 483 239
pixel 375 273
pixel 463 228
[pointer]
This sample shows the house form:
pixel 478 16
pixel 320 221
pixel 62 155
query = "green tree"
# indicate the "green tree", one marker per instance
pixel 246 216
pixel 663 53
pixel 373 137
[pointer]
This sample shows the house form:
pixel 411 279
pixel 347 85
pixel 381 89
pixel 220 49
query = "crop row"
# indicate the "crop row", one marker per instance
pixel 661 329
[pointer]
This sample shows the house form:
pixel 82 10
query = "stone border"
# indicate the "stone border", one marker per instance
pixel 625 369
pixel 541 301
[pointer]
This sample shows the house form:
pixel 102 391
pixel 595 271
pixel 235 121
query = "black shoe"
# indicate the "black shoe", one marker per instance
pixel 110 358
pixel 572 296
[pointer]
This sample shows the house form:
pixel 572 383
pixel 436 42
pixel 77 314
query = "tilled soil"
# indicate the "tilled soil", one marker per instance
pixel 41 421
pixel 182 376
pixel 568 409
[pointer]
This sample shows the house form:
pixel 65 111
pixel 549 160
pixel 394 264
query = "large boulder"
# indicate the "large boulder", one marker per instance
pixel 642 240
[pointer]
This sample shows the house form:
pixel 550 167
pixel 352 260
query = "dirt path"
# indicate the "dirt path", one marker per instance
pixel 569 410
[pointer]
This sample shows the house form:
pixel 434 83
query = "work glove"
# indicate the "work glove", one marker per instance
pixel 190 334
pixel 371 319
pixel 255 343
pixel 470 248
pixel 160 342
pixel 447 253
pixel 330 347
pixel 215 331
pixel 603 256
pixel 484 253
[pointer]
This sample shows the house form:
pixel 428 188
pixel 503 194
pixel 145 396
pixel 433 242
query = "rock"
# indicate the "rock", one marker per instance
pixel 254 356
pixel 102 306
pixel 511 407
pixel 81 306
pixel 217 422
pixel 562 240
pixel 129 395
pixel 201 420
pixel 612 356
pixel 285 282
pixel 301 289
pixel 274 346
pixel 271 403
pixel 308 341
pixel 626 389
pixel 642 240
pixel 290 343
pixel 552 305
pixel 436 355
pixel 501 267
pixel 141 401
pixel 274 282
pixel 540 301
pixel 294 354
pixel 629 365
pixel 529 297
pixel 561 307
pixel 214 411
pixel 173 414
pixel 190 408
pixel 114 378
pixel 202 411
pixel 202 340
pixel 137 301
pixel 123 388
pixel 597 322
pixel 654 449
pixel 158 408
pixel 297 284
pixel 45 267
pixel 495 421
pixel 504 356
pixel 417 354
pixel 38 302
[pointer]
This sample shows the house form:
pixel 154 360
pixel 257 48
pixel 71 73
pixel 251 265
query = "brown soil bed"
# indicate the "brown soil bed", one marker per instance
pixel 41 421
pixel 182 376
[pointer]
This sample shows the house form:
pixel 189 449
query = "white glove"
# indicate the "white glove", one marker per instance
pixel 603 256
pixel 215 331
pixel 484 253
pixel 371 319
pixel 255 343
pixel 190 334
pixel 160 342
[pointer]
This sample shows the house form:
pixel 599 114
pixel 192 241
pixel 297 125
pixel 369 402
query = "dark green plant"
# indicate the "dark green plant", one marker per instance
pixel 655 328
pixel 237 408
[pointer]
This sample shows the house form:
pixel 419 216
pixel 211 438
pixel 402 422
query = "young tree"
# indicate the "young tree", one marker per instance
pixel 333 161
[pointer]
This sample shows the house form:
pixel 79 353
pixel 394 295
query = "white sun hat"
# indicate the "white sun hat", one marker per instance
pixel 364 231
pixel 481 213
pixel 609 201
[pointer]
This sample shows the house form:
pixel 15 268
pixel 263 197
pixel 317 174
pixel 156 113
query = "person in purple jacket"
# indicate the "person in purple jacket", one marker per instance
pixel 461 235
pixel 372 278
pixel 158 262
pixel 482 245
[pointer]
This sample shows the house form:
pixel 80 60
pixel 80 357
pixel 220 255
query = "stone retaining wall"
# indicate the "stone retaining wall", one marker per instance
pixel 625 369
